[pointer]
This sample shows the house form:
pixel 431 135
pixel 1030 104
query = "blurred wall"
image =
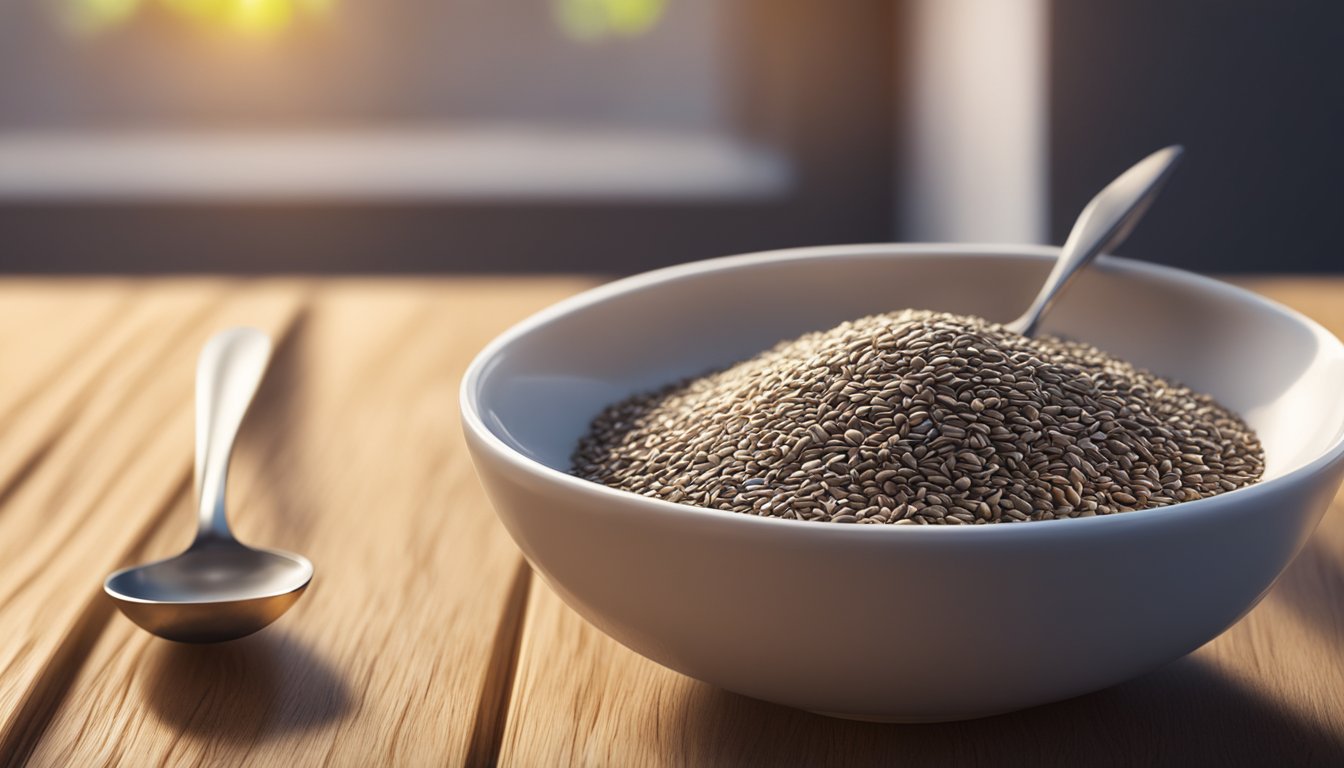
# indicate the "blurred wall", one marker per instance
pixel 357 63
pixel 891 119
pixel 1255 91
pixel 804 83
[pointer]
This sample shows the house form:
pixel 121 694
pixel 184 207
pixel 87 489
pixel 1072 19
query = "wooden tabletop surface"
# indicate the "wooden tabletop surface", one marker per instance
pixel 425 639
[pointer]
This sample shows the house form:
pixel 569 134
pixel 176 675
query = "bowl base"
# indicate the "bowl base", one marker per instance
pixel 910 719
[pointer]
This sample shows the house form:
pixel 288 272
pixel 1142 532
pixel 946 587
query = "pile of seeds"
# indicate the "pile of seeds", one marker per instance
pixel 919 417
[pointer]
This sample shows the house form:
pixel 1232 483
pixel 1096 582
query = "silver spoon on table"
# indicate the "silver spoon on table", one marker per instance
pixel 1103 225
pixel 218 589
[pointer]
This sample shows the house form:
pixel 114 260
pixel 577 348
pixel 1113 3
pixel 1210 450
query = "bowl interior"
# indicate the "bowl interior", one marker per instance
pixel 538 387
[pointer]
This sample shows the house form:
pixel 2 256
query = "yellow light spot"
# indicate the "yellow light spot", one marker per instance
pixel 592 20
pixel 254 18
pixel 249 17
pixel 87 16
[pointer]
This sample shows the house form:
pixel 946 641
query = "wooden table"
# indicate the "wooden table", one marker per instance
pixel 424 639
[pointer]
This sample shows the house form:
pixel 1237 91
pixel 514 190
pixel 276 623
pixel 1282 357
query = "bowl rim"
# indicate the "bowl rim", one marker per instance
pixel 1188 510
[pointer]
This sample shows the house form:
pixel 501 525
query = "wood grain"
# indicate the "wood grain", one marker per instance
pixel 55 341
pixel 1268 692
pixel 113 459
pixel 424 639
pixel 401 651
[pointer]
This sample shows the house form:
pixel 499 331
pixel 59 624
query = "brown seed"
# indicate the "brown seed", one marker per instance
pixel 922 418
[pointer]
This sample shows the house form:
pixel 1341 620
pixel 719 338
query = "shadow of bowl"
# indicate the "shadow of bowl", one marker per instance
pixel 1188 713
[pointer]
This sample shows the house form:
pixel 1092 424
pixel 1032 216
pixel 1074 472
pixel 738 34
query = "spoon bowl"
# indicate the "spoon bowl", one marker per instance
pixel 215 591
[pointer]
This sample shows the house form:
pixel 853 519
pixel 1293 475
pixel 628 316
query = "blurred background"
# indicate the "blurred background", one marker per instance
pixel 331 136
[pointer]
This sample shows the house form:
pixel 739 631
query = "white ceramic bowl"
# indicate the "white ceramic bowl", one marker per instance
pixel 903 623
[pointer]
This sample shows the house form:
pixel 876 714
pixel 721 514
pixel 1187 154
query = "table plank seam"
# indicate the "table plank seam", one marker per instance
pixel 80 351
pixel 52 684
pixel 24 727
pixel 34 574
pixel 492 710
pixel 26 468
pixel 68 411
pixel 136 382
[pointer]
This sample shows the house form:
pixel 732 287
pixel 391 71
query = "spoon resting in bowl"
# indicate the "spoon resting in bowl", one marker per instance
pixel 1104 224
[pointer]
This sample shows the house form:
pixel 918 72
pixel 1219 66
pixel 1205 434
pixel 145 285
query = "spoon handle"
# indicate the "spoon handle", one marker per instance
pixel 1104 224
pixel 228 373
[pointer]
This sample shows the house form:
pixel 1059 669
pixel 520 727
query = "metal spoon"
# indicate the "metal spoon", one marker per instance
pixel 218 589
pixel 1103 225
